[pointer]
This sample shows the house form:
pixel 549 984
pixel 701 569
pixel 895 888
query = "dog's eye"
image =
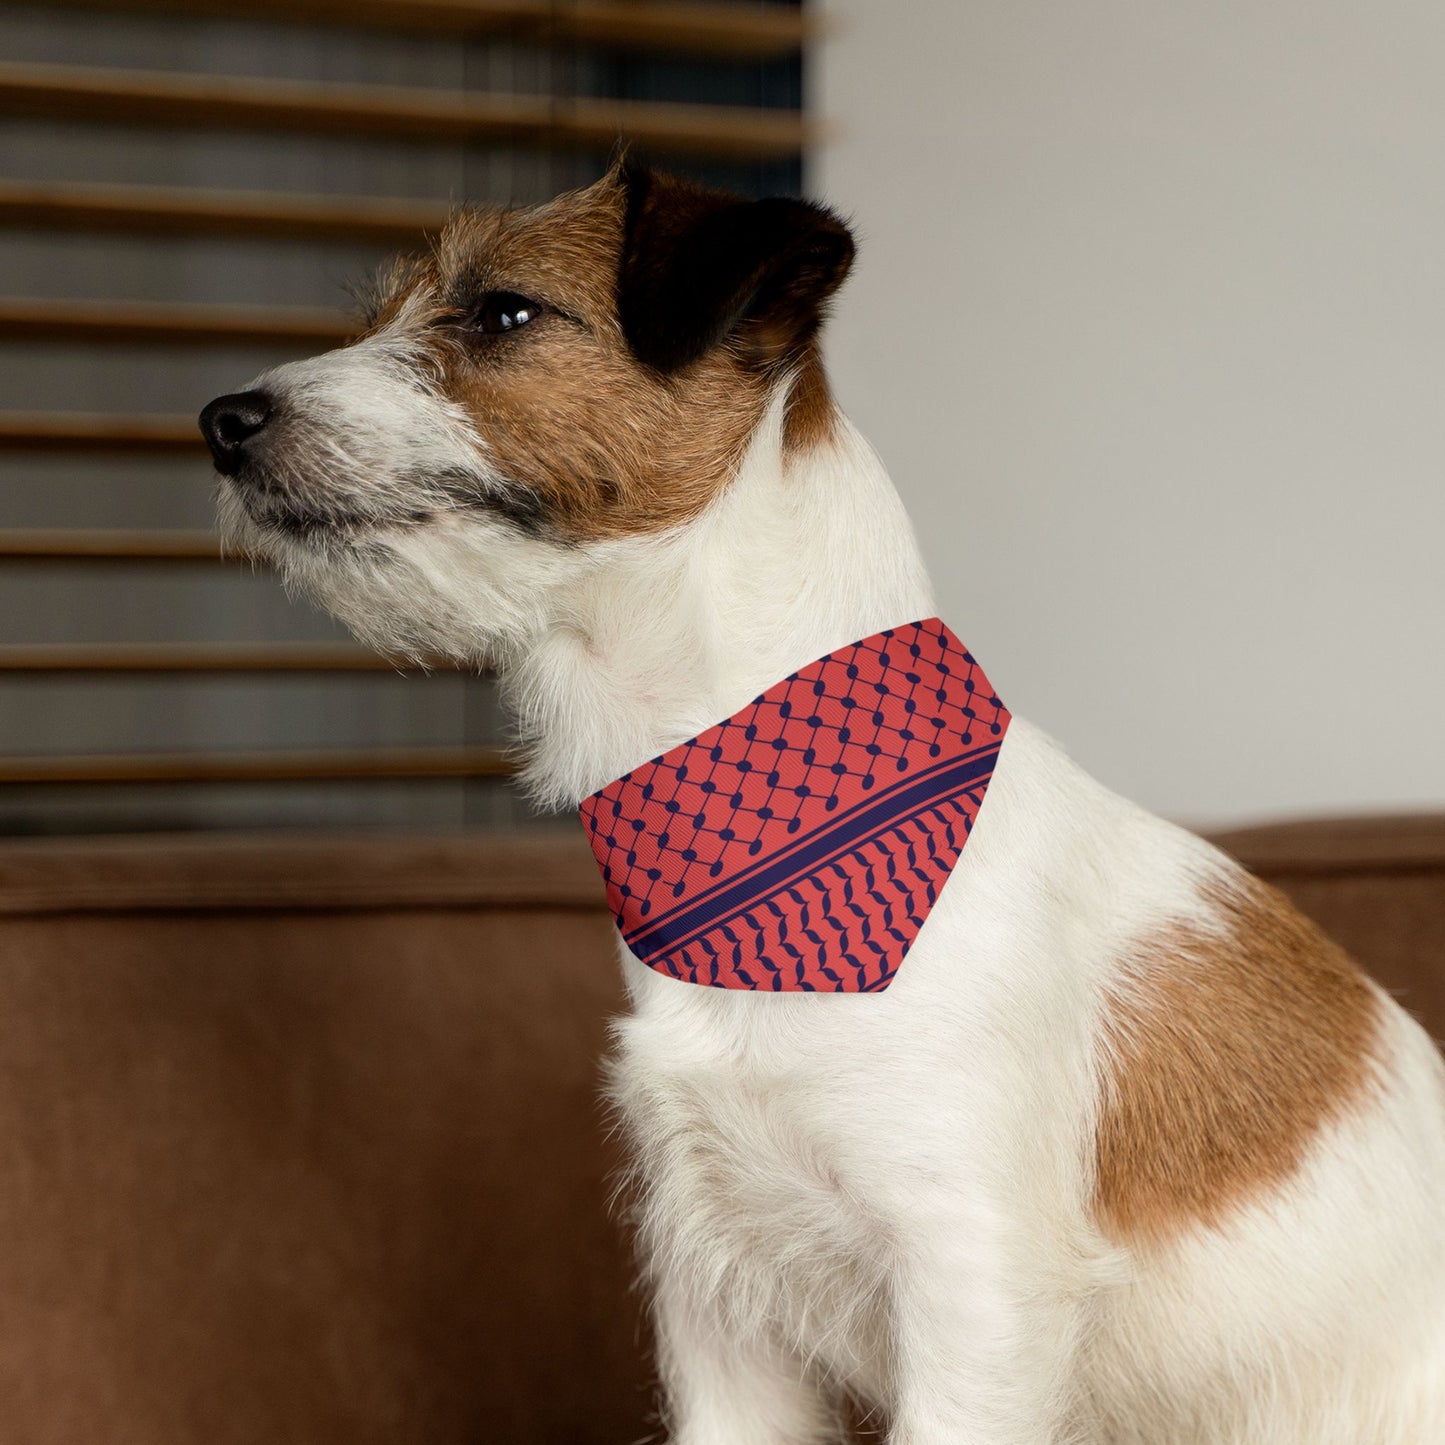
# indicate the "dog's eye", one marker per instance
pixel 504 311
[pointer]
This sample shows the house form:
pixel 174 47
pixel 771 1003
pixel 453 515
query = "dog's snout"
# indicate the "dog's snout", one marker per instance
pixel 229 422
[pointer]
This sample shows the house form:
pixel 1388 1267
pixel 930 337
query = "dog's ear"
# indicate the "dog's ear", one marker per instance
pixel 699 266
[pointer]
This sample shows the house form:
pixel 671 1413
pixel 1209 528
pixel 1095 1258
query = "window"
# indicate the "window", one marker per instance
pixel 185 193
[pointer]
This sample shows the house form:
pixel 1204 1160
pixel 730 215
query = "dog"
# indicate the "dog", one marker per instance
pixel 1127 1152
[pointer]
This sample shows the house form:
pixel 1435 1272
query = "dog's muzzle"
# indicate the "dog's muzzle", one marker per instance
pixel 231 423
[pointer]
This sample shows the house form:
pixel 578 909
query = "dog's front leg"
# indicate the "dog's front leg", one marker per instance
pixel 985 1337
pixel 724 1385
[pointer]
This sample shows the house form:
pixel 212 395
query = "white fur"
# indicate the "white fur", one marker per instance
pixel 889 1193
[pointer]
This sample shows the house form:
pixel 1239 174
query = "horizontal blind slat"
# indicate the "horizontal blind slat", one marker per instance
pixel 177 211
pixel 92 544
pixel 219 102
pixel 712 29
pixel 271 766
pixel 192 657
pixel 84 431
pixel 171 323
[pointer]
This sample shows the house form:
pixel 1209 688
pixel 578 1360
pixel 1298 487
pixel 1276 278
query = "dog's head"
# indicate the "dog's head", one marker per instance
pixel 543 384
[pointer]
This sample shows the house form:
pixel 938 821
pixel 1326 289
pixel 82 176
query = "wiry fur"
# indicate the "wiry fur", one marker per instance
pixel 894 1195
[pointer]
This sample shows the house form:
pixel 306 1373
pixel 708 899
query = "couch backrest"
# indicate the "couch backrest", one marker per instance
pixel 1376 885
pixel 301 1142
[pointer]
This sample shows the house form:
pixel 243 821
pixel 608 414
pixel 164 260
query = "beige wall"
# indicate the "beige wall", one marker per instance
pixel 1149 323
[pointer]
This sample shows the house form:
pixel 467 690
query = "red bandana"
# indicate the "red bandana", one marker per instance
pixel 799 845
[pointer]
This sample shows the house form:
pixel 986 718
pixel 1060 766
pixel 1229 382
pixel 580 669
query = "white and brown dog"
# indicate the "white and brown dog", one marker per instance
pixel 1128 1153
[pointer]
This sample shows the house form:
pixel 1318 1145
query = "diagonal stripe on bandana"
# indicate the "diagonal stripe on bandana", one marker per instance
pixel 799 845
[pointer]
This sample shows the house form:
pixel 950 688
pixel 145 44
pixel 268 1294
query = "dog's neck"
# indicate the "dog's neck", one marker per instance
pixel 803 553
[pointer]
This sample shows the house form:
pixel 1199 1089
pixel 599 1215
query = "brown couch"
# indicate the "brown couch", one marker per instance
pixel 302 1142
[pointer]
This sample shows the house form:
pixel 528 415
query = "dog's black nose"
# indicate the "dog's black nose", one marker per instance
pixel 229 422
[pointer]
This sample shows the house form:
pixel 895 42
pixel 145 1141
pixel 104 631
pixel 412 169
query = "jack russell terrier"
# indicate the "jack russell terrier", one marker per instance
pixel 1112 1147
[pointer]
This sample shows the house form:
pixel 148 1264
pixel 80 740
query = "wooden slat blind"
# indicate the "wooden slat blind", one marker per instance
pixel 272 766
pixel 230 104
pixel 223 102
pixel 83 431
pixel 88 544
pixel 191 657
pixel 171 211
pixel 172 323
pixel 724 30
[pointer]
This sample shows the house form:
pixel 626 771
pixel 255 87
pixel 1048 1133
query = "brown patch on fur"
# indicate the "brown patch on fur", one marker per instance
pixel 605 445
pixel 383 298
pixel 812 417
pixel 599 443
pixel 1228 1052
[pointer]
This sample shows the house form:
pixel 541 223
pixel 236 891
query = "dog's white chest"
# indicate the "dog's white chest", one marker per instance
pixel 750 1191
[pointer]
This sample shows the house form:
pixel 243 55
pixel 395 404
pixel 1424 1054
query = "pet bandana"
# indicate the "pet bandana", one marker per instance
pixel 799 845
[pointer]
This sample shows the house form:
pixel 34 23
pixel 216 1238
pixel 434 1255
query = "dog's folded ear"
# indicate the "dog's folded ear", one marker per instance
pixel 701 266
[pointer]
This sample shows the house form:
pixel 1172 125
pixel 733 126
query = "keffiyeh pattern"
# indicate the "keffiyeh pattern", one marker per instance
pixel 799 845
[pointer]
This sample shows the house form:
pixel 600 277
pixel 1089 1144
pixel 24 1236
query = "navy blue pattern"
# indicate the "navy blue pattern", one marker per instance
pixel 800 844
